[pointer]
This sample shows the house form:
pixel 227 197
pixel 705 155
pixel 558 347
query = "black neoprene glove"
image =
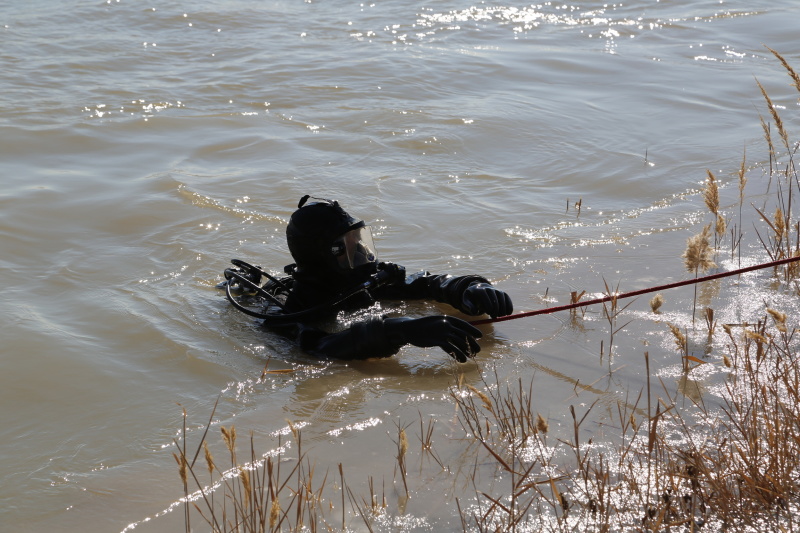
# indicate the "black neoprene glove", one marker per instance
pixel 482 298
pixel 451 334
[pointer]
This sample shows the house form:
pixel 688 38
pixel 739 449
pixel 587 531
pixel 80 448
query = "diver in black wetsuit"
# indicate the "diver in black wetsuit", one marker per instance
pixel 336 269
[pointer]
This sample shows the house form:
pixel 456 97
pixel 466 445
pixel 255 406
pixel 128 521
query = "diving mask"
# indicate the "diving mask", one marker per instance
pixel 354 248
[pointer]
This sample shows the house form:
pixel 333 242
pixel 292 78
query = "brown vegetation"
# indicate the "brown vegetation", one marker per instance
pixel 668 466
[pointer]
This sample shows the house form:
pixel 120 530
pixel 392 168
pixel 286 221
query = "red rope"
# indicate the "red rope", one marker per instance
pixel 549 310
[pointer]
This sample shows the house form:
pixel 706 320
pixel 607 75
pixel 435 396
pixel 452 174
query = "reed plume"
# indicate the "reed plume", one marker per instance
pixel 542 424
pixel 244 477
pixel 274 513
pixel 720 226
pixel 779 318
pixel 779 225
pixel 229 436
pixel 795 77
pixel 775 116
pixel 403 443
pixel 758 337
pixel 656 302
pixel 680 339
pixel 770 144
pixel 209 458
pixel 293 429
pixel 698 252
pixel 226 436
pixel 181 467
pixel 736 239
pixel 402 449
pixel 485 399
pixel 711 193
pixel 742 177
pixel 711 198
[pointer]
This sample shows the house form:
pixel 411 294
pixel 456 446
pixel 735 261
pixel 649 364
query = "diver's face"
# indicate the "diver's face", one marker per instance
pixel 354 249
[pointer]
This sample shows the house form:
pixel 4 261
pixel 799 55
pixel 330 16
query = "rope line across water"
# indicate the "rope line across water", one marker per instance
pixel 549 310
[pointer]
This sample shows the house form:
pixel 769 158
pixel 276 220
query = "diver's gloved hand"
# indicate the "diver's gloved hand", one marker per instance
pixel 451 334
pixel 482 298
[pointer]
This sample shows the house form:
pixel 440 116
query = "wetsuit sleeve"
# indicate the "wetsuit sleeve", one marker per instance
pixel 442 288
pixel 363 340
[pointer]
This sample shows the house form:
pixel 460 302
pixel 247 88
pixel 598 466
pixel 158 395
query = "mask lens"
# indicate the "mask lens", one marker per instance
pixel 355 248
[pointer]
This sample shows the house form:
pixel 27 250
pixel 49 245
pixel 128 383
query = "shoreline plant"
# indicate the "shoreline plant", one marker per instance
pixel 662 461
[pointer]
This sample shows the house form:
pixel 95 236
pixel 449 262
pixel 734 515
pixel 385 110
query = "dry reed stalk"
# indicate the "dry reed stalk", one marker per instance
pixel 795 77
pixel 774 244
pixel 506 431
pixel 575 297
pixel 362 511
pixel 403 443
pixel 485 399
pixel 209 459
pixel 779 318
pixel 775 117
pixel 182 467
pixel 611 314
pixel 768 137
pixel 711 198
pixel 229 438
pixel 711 193
pixel 402 450
pixel 244 477
pixel 793 269
pixel 719 228
pixel 697 256
pixel 742 176
pixel 274 513
pixel 680 339
pixel 758 337
pixel 711 326
pixel 541 424
pixel 293 429
pixel 779 226
pixel 736 237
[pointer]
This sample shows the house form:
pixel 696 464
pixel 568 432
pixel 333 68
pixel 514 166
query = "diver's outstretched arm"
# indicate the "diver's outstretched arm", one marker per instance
pixel 383 337
pixel 472 295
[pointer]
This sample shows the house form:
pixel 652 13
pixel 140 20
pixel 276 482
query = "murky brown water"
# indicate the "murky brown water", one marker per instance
pixel 144 145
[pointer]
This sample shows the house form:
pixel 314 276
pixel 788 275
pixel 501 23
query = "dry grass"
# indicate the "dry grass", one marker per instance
pixel 734 468
pixel 662 466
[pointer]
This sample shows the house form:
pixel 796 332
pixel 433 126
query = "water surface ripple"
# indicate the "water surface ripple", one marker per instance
pixel 143 145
